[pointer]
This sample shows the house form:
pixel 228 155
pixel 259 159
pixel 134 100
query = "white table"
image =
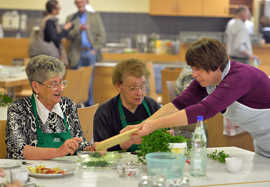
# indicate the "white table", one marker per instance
pixel 255 173
pixel 11 77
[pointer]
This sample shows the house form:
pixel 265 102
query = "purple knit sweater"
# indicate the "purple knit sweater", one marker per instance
pixel 244 83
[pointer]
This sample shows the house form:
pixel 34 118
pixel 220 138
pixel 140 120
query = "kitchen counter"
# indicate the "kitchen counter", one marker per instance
pixel 148 57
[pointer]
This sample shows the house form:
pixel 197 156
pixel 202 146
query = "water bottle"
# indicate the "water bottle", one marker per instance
pixel 198 158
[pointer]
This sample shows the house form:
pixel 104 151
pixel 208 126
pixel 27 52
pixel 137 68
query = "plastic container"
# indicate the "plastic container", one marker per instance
pixel 169 165
pixel 178 147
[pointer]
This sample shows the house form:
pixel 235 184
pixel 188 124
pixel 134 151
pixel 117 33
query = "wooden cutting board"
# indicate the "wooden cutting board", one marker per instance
pixel 115 140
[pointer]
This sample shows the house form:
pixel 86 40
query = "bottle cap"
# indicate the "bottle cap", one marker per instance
pixel 199 118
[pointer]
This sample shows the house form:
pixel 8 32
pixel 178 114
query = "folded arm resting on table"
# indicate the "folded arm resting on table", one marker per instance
pixel 166 116
pixel 36 153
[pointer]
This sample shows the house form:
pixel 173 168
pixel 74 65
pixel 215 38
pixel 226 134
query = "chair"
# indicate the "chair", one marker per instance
pixel 171 87
pixel 74 78
pixel 86 116
pixel 85 80
pixel 217 139
pixel 103 89
pixel 168 74
pixel 3 147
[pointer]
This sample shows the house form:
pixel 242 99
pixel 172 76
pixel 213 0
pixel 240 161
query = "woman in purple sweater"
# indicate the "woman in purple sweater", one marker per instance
pixel 241 92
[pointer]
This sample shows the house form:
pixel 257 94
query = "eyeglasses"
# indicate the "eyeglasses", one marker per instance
pixel 136 88
pixel 54 85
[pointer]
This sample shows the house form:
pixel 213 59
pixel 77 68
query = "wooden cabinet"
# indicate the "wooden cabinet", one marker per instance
pixel 216 8
pixel 176 7
pixel 189 7
pixel 161 7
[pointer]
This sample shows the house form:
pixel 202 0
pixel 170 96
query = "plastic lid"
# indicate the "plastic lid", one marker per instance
pixel 199 118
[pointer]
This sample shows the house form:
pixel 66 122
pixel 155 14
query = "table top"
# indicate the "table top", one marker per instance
pixel 255 172
pixel 12 76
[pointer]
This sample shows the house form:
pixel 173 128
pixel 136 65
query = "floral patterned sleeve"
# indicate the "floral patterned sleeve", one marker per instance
pixel 16 131
pixel 73 120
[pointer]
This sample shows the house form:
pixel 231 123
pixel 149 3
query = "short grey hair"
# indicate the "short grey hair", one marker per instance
pixel 241 9
pixel 43 67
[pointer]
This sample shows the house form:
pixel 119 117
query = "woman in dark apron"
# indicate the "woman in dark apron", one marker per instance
pixel 129 107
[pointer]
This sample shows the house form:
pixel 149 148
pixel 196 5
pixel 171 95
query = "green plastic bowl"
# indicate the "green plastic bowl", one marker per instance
pixel 169 165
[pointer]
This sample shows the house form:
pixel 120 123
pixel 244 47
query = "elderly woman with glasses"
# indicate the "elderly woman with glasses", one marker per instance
pixel 45 125
pixel 129 107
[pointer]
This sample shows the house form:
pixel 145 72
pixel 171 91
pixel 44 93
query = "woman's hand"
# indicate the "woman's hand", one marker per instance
pixel 93 148
pixel 134 139
pixel 68 25
pixel 70 146
pixel 2 173
pixel 14 184
pixel 145 128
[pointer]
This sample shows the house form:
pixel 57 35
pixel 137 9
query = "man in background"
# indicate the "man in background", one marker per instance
pixel 87 36
pixel 238 41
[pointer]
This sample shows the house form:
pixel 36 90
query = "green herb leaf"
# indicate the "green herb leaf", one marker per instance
pixel 158 141
pixel 219 156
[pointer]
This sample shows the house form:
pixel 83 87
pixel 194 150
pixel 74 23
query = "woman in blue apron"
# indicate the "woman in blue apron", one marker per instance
pixel 239 91
pixel 129 107
pixel 45 125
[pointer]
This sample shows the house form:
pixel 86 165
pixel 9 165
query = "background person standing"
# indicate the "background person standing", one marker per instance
pixel 238 41
pixel 87 36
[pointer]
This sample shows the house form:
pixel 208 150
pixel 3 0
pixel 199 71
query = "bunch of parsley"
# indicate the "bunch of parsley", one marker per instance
pixel 218 155
pixel 157 141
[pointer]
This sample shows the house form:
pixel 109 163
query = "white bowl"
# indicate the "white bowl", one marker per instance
pixel 20 174
pixel 234 164
pixel 178 147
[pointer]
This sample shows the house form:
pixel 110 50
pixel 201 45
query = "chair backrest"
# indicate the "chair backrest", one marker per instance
pixel 168 74
pixel 171 86
pixel 73 89
pixel 3 147
pixel 86 116
pixel 85 80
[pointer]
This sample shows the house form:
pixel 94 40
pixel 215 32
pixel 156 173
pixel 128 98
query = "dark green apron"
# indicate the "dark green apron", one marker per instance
pixel 124 122
pixel 52 140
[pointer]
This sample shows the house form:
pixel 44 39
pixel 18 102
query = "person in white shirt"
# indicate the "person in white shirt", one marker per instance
pixel 250 26
pixel 238 41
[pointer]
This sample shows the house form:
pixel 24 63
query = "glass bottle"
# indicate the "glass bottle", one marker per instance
pixel 198 158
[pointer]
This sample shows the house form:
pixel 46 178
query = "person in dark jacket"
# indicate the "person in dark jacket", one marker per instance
pixel 129 107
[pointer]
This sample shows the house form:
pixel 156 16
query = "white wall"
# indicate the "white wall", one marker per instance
pixel 121 5
pixel 23 4
pixel 141 6
pixel 68 6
